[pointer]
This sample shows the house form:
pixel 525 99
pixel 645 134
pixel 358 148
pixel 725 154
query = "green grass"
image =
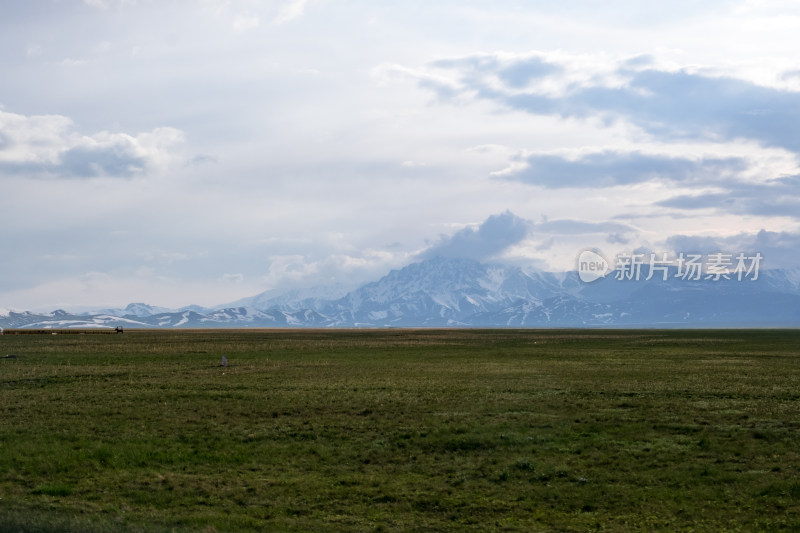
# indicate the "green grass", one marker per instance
pixel 401 430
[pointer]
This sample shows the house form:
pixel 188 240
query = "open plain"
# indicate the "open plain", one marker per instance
pixel 398 430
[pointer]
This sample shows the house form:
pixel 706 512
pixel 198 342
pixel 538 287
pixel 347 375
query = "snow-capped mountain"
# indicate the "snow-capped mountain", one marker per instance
pixel 291 300
pixel 439 292
pixel 61 319
pixel 465 293
pixel 132 309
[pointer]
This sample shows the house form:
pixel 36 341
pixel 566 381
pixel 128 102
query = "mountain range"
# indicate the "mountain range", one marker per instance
pixel 442 292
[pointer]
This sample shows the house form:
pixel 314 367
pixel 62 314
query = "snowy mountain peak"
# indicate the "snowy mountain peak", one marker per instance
pixel 463 292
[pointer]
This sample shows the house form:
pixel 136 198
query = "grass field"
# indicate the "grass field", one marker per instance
pixel 401 430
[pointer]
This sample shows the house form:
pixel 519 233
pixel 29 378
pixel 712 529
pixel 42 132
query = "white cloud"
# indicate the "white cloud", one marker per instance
pixel 50 146
pixel 292 10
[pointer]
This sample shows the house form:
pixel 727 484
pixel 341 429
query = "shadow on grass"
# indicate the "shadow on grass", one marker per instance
pixel 19 521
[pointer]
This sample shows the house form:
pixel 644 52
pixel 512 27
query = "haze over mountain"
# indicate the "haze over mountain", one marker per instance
pixel 459 292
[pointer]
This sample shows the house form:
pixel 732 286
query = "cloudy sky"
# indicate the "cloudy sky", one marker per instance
pixel 197 152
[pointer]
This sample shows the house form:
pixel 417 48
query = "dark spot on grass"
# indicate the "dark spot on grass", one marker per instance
pixel 55 489
pixel 524 464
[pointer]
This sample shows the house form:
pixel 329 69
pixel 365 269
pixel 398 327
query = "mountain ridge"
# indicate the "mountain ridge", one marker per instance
pixel 447 292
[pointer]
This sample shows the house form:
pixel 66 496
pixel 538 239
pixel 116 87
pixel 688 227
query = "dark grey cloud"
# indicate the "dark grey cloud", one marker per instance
pixel 696 244
pixel 676 105
pixel 82 162
pixel 778 197
pixel 699 201
pixel 497 233
pixel 90 161
pixel 683 105
pixel 607 169
pixel 617 238
pixel 520 73
pixel 778 248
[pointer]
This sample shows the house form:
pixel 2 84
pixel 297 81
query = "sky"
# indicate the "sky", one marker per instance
pixel 198 152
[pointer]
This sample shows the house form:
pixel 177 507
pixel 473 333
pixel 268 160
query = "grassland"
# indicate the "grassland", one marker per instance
pixel 401 430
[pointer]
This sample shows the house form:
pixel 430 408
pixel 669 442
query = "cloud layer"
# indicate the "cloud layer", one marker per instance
pixel 607 169
pixel 49 146
pixel 484 242
pixel 199 153
pixel 671 104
